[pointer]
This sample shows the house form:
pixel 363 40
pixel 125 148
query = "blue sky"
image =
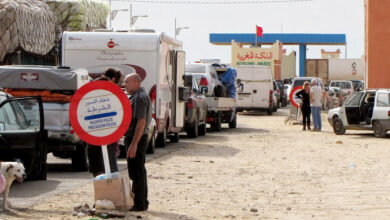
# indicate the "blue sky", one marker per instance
pixel 317 16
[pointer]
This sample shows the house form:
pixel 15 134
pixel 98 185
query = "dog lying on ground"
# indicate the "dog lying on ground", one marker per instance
pixel 11 171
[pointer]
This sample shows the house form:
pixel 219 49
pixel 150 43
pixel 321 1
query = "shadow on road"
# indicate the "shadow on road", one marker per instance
pixel 40 187
pixel 163 215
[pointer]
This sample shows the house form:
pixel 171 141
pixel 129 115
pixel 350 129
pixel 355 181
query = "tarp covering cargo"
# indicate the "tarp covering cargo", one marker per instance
pixel 79 15
pixel 42 78
pixel 26 24
pixel 229 81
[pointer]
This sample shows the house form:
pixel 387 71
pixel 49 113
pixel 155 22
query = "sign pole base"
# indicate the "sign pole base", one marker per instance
pixel 107 167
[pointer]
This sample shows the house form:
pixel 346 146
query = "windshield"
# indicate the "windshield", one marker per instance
pixel 196 68
pixel 300 82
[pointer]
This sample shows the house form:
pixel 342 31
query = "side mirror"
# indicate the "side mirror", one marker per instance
pixel 184 93
pixel 326 88
pixel 2 126
pixel 241 88
pixel 204 90
pixel 196 91
pixel 187 80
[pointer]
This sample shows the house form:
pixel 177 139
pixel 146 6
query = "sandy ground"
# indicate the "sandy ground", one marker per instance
pixel 264 169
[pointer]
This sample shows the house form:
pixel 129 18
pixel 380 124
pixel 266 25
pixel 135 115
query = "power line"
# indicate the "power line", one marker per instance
pixel 212 2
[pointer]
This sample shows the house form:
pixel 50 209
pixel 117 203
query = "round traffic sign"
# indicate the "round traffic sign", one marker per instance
pixel 293 99
pixel 100 113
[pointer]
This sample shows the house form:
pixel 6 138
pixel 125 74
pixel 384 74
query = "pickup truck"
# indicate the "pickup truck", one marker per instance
pixel 22 134
pixel 364 110
pixel 55 86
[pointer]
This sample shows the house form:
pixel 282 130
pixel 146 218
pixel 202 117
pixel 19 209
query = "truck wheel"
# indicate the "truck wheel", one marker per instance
pixel 193 132
pixel 162 139
pixel 152 144
pixel 378 130
pixel 217 125
pixel 269 111
pixel 233 124
pixel 338 126
pixel 174 138
pixel 38 163
pixel 278 104
pixel 80 158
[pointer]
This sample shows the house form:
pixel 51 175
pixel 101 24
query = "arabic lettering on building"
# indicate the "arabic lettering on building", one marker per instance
pixel 251 55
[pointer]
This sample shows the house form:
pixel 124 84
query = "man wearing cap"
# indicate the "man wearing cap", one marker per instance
pixel 136 139
pixel 316 104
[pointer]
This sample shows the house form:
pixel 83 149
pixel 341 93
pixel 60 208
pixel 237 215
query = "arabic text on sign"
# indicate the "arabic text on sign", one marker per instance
pixel 252 55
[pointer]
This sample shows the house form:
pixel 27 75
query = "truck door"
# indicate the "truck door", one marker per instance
pixel 178 79
pixel 245 87
pixel 352 108
pixel 22 134
pixel 261 82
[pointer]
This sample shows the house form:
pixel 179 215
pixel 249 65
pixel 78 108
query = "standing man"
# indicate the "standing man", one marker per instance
pixel 136 139
pixel 316 104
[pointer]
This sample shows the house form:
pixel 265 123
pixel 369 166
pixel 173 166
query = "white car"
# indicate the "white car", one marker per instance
pixel 365 110
pixel 287 88
pixel 345 86
pixel 206 75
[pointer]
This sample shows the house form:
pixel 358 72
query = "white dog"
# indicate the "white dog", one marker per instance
pixel 11 171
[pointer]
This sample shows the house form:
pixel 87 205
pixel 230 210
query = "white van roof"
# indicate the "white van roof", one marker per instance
pixel 119 40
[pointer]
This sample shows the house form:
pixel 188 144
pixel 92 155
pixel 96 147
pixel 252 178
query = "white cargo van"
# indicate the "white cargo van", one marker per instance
pixel 156 57
pixel 255 88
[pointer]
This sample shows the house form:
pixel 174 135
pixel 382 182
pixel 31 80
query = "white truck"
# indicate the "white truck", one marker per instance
pixel 156 57
pixel 255 88
pixel 55 86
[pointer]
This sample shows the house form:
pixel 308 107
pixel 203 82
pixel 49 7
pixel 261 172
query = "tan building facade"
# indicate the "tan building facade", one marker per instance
pixel 330 54
pixel 258 56
pixel 377 43
pixel 289 65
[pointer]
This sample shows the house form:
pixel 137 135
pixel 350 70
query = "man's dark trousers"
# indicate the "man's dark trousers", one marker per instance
pixel 137 173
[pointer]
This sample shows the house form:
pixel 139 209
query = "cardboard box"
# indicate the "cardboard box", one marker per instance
pixel 116 190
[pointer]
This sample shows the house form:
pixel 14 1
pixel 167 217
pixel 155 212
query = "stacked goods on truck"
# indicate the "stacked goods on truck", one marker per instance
pixel 223 109
pixel 55 86
pixel 27 26
pixel 156 57
pixel 31 30
pixel 335 69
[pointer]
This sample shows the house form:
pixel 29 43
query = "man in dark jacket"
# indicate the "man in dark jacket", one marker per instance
pixel 136 140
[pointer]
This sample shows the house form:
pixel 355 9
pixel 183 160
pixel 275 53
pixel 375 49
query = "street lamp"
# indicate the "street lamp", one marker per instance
pixel 134 18
pixel 178 29
pixel 113 14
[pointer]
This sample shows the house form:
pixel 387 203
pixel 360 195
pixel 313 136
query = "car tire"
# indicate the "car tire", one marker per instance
pixel 217 124
pixel 202 129
pixel 233 124
pixel 379 132
pixel 38 169
pixel 193 131
pixel 80 158
pixel 338 126
pixel 174 138
pixel 162 139
pixel 278 104
pixel 152 144
pixel 269 111
pixel 275 109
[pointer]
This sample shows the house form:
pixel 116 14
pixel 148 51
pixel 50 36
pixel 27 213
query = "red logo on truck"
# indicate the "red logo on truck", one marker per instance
pixel 111 44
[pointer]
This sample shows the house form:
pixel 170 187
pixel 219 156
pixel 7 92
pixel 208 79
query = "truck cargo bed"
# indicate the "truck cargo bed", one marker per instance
pixel 220 103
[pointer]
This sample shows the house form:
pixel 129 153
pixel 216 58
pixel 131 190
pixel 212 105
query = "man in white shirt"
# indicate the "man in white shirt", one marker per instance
pixel 316 104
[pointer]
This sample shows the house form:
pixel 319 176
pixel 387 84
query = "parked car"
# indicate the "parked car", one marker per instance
pixel 365 110
pixel 276 93
pixel 22 134
pixel 287 88
pixel 196 110
pixel 345 86
pixel 299 81
pixel 206 75
pixel 283 95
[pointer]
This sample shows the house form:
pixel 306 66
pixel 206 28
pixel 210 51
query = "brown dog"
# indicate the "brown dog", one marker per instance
pixel 11 171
